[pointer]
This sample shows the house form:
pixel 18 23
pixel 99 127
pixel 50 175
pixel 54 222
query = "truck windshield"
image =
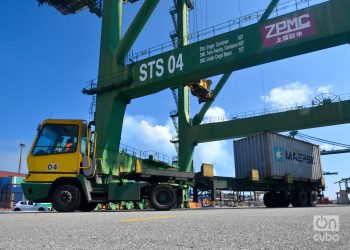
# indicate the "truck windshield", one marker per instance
pixel 56 139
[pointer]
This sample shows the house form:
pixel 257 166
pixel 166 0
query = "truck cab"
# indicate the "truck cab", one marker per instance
pixel 58 150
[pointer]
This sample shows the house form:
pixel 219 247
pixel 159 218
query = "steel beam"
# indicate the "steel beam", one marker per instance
pixel 268 11
pixel 185 148
pixel 111 35
pixel 109 110
pixel 135 29
pixel 198 118
pixel 320 116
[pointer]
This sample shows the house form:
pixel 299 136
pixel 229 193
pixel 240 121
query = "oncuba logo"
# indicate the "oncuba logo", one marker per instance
pixel 280 154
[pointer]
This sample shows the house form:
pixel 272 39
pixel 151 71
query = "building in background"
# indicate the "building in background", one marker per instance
pixel 344 191
pixel 10 188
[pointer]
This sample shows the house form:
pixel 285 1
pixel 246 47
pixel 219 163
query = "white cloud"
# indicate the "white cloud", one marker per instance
pixel 218 153
pixel 215 112
pixel 141 132
pixel 325 89
pixel 288 94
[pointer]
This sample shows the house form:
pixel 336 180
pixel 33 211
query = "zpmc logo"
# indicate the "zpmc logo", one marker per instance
pixel 288 29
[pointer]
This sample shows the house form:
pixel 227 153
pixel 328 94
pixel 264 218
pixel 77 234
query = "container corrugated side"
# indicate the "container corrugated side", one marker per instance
pixel 275 155
pixel 251 153
pixel 295 157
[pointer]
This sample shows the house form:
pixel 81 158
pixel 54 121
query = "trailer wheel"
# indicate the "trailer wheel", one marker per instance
pixel 312 201
pixel 163 197
pixel 271 199
pixel 66 198
pixel 300 199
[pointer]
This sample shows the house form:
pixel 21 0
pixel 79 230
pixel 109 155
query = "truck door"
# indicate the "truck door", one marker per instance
pixel 56 150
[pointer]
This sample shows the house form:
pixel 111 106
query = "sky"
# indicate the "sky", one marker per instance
pixel 47 59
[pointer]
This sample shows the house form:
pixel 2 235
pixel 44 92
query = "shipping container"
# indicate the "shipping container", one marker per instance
pixel 276 156
pixel 10 194
pixel 5 181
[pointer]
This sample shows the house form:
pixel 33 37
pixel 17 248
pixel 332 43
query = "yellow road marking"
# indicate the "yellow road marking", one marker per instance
pixel 148 218
pixel 25 219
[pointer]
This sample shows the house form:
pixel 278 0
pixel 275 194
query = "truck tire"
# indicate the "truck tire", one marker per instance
pixel 312 199
pixel 163 197
pixel 300 199
pixel 85 206
pixel 271 199
pixel 284 201
pixel 66 198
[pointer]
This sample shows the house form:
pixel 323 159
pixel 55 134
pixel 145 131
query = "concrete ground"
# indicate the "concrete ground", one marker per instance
pixel 216 228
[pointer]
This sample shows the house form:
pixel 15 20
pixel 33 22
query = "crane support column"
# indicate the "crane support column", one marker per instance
pixel 109 109
pixel 110 105
pixel 185 148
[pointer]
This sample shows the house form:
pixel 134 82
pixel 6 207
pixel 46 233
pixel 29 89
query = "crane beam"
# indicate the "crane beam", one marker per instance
pixel 311 29
pixel 319 116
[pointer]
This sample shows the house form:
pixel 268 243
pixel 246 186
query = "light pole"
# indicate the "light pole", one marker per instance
pixel 21 145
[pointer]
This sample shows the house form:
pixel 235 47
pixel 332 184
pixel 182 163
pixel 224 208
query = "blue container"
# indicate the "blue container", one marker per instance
pixel 10 194
pixel 5 180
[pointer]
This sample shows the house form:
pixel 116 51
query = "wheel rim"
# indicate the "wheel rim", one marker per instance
pixel 163 197
pixel 65 198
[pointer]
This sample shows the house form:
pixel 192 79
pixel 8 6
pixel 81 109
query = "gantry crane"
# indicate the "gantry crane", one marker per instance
pixel 122 77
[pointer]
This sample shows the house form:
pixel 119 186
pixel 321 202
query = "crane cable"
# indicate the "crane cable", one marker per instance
pixel 308 137
pixel 239 8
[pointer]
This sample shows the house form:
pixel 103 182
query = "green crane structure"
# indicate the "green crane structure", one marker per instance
pixel 302 31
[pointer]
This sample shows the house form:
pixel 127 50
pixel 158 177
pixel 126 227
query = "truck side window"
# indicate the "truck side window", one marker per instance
pixel 83 143
pixel 83 146
pixel 56 139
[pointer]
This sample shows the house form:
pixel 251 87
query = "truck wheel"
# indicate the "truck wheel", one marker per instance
pixel 66 198
pixel 86 206
pixel 300 199
pixel 312 199
pixel 271 199
pixel 163 197
pixel 284 200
